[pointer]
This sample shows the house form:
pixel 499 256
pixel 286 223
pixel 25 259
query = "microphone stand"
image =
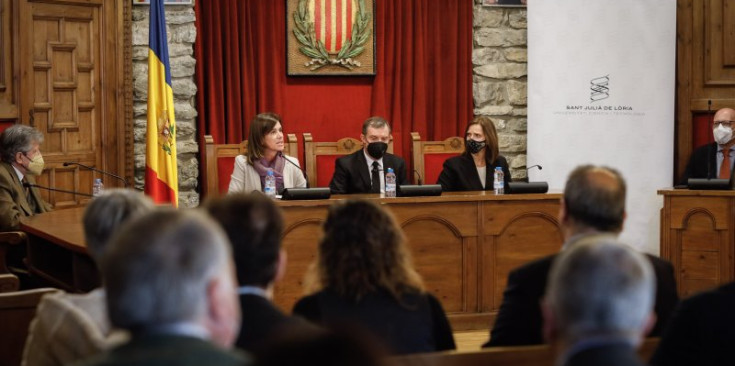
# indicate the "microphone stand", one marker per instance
pixel 28 185
pixel 125 181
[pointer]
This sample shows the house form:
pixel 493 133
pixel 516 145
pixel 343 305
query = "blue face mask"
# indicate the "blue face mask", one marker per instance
pixel 475 147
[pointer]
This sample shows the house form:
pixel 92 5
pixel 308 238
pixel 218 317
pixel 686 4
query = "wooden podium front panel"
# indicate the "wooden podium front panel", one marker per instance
pixel 463 245
pixel 516 232
pixel 697 237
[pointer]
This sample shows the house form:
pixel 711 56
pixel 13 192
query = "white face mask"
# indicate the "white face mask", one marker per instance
pixel 722 134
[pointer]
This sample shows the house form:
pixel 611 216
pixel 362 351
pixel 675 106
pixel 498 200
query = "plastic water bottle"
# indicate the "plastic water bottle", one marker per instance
pixel 499 181
pixel 97 187
pixel 390 183
pixel 270 184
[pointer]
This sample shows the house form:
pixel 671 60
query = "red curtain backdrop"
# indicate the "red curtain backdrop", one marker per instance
pixel 423 81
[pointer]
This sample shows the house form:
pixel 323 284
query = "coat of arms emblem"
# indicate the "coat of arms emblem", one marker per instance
pixel 331 34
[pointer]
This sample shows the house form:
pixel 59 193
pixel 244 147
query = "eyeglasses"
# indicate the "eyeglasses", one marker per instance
pixel 723 123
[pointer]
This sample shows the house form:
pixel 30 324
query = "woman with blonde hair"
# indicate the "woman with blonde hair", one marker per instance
pixel 265 152
pixel 473 170
pixel 363 277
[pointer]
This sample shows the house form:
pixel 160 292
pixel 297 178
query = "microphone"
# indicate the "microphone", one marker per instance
pixel 125 181
pixel 28 185
pixel 535 166
pixel 280 153
pixel 419 175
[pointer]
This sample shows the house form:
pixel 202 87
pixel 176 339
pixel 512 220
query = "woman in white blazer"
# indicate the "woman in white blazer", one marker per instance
pixel 265 152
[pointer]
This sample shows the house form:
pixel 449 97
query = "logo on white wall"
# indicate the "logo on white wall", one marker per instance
pixel 599 88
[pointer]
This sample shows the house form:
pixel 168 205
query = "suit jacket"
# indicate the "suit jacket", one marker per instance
pixel 519 321
pixel 614 354
pixel 262 320
pixel 701 331
pixel 351 173
pixel 69 328
pixel 417 324
pixel 459 173
pixel 167 350
pixel 702 163
pixel 246 179
pixel 13 202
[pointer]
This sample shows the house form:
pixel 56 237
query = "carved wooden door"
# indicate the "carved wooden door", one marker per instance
pixel 71 62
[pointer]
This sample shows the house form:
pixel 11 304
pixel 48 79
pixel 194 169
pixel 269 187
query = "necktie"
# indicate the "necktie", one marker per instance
pixel 725 167
pixel 29 196
pixel 375 188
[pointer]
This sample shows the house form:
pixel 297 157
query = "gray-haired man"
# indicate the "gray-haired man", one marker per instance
pixel 170 281
pixel 599 304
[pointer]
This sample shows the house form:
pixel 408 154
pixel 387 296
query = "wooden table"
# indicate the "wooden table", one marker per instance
pixel 463 245
pixel 57 251
pixel 698 237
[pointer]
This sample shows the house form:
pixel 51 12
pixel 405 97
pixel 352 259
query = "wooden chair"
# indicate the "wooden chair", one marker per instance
pixel 17 309
pixel 541 355
pixel 220 162
pixel 319 157
pixel 9 283
pixel 428 156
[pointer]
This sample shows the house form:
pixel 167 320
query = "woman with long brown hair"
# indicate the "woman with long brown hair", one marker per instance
pixel 363 277
pixel 473 170
pixel 265 152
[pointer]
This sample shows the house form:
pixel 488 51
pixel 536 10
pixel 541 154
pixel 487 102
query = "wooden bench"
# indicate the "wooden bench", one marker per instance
pixel 17 309
pixel 499 356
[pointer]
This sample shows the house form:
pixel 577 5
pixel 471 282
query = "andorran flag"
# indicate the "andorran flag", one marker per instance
pixel 161 181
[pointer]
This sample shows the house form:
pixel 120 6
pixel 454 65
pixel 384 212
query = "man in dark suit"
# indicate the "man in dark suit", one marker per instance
pixel 169 280
pixel 364 171
pixel 599 304
pixel 701 331
pixel 21 162
pixel 709 161
pixel 254 226
pixel 593 205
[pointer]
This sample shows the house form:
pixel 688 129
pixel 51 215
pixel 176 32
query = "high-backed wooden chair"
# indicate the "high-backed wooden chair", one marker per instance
pixel 17 309
pixel 428 156
pixel 220 162
pixel 319 157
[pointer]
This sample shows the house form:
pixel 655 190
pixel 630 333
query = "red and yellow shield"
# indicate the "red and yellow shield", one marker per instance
pixel 333 22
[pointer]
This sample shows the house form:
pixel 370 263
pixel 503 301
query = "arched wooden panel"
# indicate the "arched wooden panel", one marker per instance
pixel 524 239
pixel 438 253
pixel 701 247
pixel 300 243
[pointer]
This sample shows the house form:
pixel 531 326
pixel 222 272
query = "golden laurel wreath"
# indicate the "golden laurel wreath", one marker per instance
pixel 314 48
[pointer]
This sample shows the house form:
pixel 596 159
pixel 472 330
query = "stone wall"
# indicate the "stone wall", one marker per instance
pixel 181 35
pixel 499 78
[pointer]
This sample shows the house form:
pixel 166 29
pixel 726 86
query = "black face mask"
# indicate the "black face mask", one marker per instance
pixel 377 149
pixel 474 147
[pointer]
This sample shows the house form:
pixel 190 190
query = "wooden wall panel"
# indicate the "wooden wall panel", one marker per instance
pixel 8 61
pixel 705 66
pixel 73 88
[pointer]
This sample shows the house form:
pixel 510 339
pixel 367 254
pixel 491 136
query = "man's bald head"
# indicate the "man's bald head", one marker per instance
pixel 594 198
pixel 725 114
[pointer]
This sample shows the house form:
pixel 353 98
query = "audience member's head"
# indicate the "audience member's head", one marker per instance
pixel 20 147
pixel 104 215
pixel 602 289
pixel 321 347
pixel 363 250
pixel 172 267
pixel 594 200
pixel 254 225
pixel 376 135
